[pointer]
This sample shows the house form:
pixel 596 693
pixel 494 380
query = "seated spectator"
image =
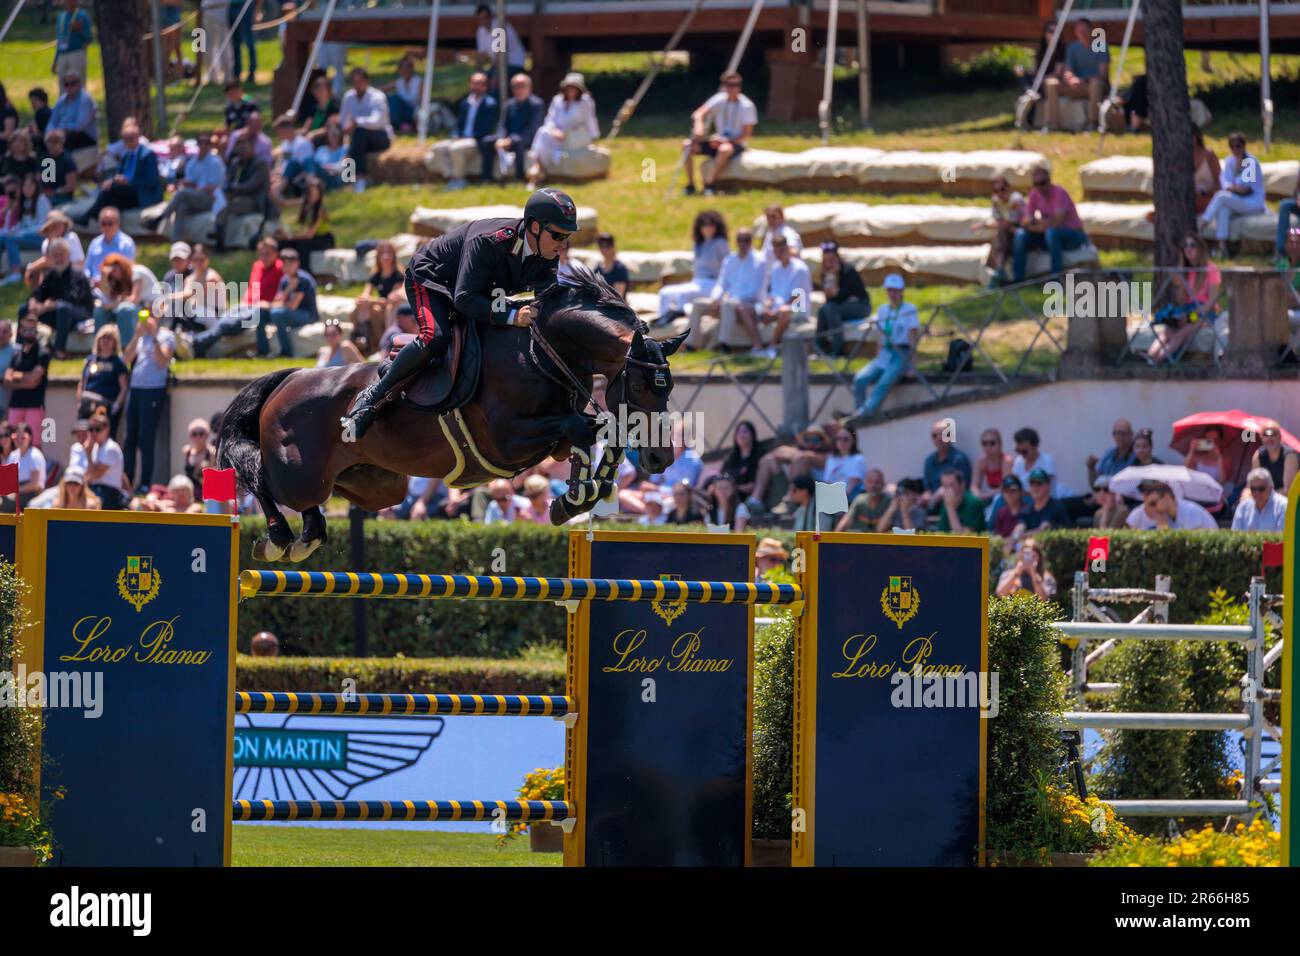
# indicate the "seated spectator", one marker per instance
pixel 743 460
pixel 71 491
pixel 476 119
pixel 21 159
pixel 56 226
pixel 330 155
pixel 1196 293
pixel 683 510
pixel 424 496
pixel 769 556
pixel 62 188
pixel 845 463
pixel 1082 76
pixel 1206 170
pixel 720 128
pixel 7 350
pixel 253 130
pixel 293 307
pixel 809 451
pixel 25 219
pixel 487 43
pixel 1008 210
pixel 1137 108
pixel 803 493
pixel 1044 512
pixel 111 239
pixel 846 298
pixel 75 115
pixel 404 95
pixel 737 292
pixel 1282 463
pixel 179 498
pixel 724 504
pixel 31 464
pixel 1029 457
pixel 504 505
pixel 1261 508
pixel 63 299
pixel 610 268
pixel 295 159
pixel 687 465
pixel 569 127
pixel 403 324
pixel 170 166
pixel 1289 264
pixel 238 105
pixel 115 306
pixel 197 452
pixel 709 237
pixel 1030 574
pixel 524 115
pixel 173 281
pixel 1009 511
pixel 1117 458
pixel 1162 510
pixel 105 474
pixel 777 226
pixel 992 465
pixel 337 350
pixel 247 190
pixel 1241 192
pixel 39 100
pixel 960 510
pixel 323 106
pixel 906 510
pixel 204 306
pixel 537 492
pixel 104 378
pixel 787 299
pixel 136 182
pixel 900 326
pixel 385 291
pixel 1206 455
pixel 868 508
pixel 1143 443
pixel 1050 222
pixel 8 119
pixel 364 116
pixel 1111 512
pixel 310 231
pixel 198 190
pixel 945 457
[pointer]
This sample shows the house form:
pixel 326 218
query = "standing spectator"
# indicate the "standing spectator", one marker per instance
pixel 1196 293
pixel 709 234
pixel 247 189
pixel 1009 513
pixel 73 33
pixel 524 115
pixel 900 327
pixel 149 354
pixel 1029 458
pixel 1261 508
pixel 7 350
pixel 491 38
pixel 310 232
pixel 1083 76
pixel 743 459
pixel 405 95
pixel 905 510
pixel 27 377
pixel 104 378
pixel 788 298
pixel 683 510
pixel 337 350
pixel 1008 210
pixel 331 154
pixel 115 306
pixel 868 508
pixel 992 465
pixel 198 190
pixel 136 182
pixel 294 305
pixel 569 127
pixel 1111 511
pixel 376 307
pixel 364 115
pixel 720 128
pixel 846 297
pixel 725 506
pixel 62 299
pixel 1044 512
pixel 1117 458
pixel 31 464
pixel 736 293
pixel 1163 510
pixel 214 20
pixel 1143 444
pixel 106 473
pixel 241 35
pixel 24 233
pixel 960 510
pixel 323 105
pixel 1282 463
pixel 1241 192
pixel 1030 574
pixel 197 452
pixel 63 187
pixel 1050 222
pixel 610 268
pixel 74 114
pixel 945 457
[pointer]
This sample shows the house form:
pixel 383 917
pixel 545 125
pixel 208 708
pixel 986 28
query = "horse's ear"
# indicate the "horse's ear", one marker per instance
pixel 638 339
pixel 670 346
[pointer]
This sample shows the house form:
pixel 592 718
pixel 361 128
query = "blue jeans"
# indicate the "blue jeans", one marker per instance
pixel 232 324
pixel 399 111
pixel 243 36
pixel 1285 210
pixel 1055 241
pixel 124 317
pixel 15 243
pixel 882 372
pixel 285 321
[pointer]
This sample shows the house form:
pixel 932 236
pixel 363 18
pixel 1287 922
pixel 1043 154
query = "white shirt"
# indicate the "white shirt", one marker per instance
pixel 1190 516
pixel 728 118
pixel 150 288
pixel 792 237
pixel 845 468
pixel 896 324
pixel 409 90
pixel 495 514
pixel 76 254
pixel 514 48
pixel 31 464
pixel 741 278
pixel 791 285
pixel 299 148
pixel 1248 517
pixel 1022 470
pixel 77 457
pixel 109 453
pixel 368 111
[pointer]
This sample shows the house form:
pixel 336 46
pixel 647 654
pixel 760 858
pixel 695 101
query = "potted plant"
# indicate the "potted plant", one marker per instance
pixel 24 839
pixel 1065 830
pixel 540 784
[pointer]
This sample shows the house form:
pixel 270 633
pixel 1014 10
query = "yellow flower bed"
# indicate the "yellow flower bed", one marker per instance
pixel 1255 845
pixel 539 784
pixel 20 825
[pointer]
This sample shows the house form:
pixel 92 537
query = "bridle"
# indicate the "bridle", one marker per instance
pixel 571 381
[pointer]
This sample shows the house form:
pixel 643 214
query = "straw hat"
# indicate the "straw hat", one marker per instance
pixel 54 218
pixel 771 548
pixel 574 79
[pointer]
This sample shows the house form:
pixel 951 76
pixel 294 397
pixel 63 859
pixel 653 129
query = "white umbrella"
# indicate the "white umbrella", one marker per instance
pixel 1192 485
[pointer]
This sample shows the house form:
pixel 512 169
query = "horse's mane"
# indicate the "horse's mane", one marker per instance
pixel 584 293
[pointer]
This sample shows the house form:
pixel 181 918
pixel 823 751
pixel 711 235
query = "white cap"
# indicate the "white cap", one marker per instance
pixel 894 281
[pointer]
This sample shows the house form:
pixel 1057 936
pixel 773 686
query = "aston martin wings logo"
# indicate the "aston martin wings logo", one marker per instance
pixel 900 601
pixel 669 610
pixel 138 582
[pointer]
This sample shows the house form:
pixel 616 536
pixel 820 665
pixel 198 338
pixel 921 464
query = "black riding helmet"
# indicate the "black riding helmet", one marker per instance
pixel 551 207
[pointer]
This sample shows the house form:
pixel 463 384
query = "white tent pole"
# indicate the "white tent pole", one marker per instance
pixel 503 81
pixel 1119 74
pixel 429 51
pixel 745 34
pixel 629 107
pixel 311 58
pixel 824 107
pixel 160 75
pixel 1265 84
pixel 9 21
pixel 1027 100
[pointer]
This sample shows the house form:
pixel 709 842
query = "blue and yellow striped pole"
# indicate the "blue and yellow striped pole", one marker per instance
pixel 523 811
pixel 403 705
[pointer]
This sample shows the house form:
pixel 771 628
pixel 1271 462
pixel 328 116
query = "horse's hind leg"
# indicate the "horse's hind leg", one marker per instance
pixel 279 534
pixel 313 535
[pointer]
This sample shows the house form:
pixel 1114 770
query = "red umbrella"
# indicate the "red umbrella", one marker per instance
pixel 1231 424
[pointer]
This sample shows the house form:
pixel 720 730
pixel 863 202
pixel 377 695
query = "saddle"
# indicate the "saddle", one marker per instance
pixel 447 384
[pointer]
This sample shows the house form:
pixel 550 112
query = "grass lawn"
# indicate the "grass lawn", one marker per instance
pixel 278 845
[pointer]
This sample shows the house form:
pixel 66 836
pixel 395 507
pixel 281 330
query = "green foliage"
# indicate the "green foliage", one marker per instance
pixel 400 675
pixel 774 721
pixel 19 726
pixel 993 66
pixel 1214 669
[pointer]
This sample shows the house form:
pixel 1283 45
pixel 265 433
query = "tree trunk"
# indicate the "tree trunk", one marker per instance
pixel 1171 129
pixel 119 25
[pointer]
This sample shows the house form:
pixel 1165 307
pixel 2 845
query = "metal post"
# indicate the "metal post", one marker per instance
pixel 824 107
pixel 1255 677
pixel 794 383
pixel 1079 653
pixel 311 57
pixel 503 81
pixel 864 66
pixel 1160 609
pixel 429 51
pixel 745 34
pixel 357 554
pixel 1265 81
pixel 160 76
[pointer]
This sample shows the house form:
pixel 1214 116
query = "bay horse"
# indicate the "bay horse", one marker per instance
pixel 282 435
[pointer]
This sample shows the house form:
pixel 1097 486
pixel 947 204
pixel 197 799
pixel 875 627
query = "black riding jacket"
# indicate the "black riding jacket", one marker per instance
pixel 471 261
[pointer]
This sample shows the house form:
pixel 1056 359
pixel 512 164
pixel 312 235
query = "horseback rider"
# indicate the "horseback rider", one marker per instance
pixel 468 272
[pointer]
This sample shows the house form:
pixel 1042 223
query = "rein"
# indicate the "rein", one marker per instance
pixel 539 340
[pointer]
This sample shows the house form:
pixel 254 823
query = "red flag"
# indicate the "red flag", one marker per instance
pixel 1097 548
pixel 1274 554
pixel 9 483
pixel 218 484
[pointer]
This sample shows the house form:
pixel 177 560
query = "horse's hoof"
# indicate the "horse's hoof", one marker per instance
pixel 300 550
pixel 264 549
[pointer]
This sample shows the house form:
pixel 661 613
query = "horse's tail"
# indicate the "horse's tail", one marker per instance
pixel 238 444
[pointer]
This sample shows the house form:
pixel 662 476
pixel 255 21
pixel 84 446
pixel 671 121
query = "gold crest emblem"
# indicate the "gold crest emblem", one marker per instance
pixel 900 601
pixel 669 611
pixel 138 582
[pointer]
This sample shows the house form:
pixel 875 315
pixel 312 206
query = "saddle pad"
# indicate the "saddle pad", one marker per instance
pixel 452 382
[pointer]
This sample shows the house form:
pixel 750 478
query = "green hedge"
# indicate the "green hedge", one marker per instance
pixel 19 726
pixel 399 675
pixel 1198 561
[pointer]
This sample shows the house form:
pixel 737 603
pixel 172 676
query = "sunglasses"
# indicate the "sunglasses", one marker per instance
pixel 557 236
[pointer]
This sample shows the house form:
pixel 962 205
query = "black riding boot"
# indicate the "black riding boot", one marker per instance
pixel 412 356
